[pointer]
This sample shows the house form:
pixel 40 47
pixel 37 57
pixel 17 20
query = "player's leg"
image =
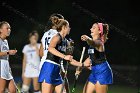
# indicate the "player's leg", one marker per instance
pixel 89 87
pixel 58 88
pixel 47 88
pixel 12 86
pixel 36 85
pixel 26 84
pixel 101 88
pixel 2 85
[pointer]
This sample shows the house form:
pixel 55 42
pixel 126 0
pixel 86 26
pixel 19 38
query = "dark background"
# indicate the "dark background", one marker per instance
pixel 123 16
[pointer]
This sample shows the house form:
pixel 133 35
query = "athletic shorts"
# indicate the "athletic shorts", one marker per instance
pixel 50 73
pixel 102 73
pixel 5 70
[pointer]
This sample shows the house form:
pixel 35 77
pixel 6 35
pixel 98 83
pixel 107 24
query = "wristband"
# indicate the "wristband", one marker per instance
pixel 7 52
pixel 64 56
pixel 82 64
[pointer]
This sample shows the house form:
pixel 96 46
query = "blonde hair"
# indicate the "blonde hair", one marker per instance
pixel 2 23
pixel 59 23
pixel 49 24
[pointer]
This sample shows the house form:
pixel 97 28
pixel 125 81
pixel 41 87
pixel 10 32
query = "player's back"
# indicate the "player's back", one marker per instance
pixel 46 41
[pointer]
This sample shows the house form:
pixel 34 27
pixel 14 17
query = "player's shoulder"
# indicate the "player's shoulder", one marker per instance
pixel 52 32
pixel 5 41
pixel 26 46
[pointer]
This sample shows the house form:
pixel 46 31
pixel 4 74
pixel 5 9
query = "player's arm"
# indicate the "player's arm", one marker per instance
pixel 55 40
pixel 78 64
pixel 88 61
pixel 90 41
pixel 23 63
pixel 3 53
pixel 41 50
pixel 10 52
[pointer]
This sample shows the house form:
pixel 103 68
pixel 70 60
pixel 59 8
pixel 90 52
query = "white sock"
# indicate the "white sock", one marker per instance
pixel 25 88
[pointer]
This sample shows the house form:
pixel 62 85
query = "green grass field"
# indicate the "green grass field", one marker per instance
pixel 112 89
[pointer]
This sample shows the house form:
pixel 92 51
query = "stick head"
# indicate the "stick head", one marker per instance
pixel 70 47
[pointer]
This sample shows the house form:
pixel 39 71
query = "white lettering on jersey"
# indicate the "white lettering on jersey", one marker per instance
pixel 90 51
pixel 46 41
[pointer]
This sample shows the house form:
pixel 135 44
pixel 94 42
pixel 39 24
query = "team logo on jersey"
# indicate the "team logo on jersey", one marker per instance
pixel 31 50
pixel 62 48
pixel 4 48
pixel 5 43
pixel 49 33
pixel 90 51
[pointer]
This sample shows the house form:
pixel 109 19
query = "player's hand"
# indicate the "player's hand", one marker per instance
pixel 89 68
pixel 88 65
pixel 78 71
pixel 68 57
pixel 84 37
pixel 12 52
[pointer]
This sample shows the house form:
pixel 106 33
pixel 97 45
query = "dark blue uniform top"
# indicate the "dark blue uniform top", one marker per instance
pixel 96 56
pixel 61 47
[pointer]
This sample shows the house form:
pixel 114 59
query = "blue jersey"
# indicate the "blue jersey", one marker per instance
pixel 101 70
pixel 50 71
pixel 96 56
pixel 61 47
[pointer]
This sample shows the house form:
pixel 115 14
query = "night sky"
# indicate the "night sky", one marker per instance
pixel 123 16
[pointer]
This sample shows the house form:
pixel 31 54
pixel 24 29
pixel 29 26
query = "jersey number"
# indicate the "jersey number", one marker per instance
pixel 47 41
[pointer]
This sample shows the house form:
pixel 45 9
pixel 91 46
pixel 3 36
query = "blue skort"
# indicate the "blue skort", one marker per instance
pixel 102 73
pixel 50 73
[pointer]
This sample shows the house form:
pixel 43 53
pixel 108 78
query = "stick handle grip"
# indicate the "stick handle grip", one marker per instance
pixel 82 55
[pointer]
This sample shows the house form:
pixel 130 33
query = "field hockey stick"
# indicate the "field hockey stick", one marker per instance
pixel 69 51
pixel 77 75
